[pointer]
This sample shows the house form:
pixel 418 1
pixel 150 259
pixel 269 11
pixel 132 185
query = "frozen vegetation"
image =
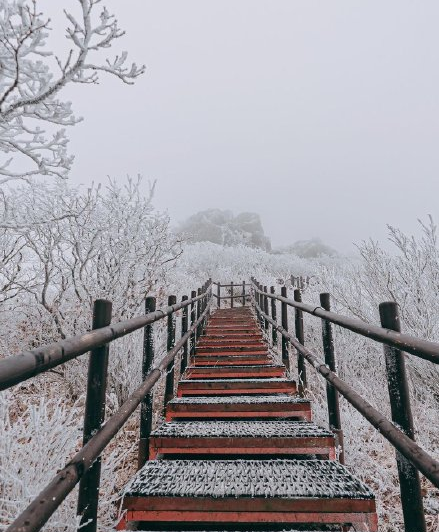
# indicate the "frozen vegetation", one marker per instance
pixel 115 245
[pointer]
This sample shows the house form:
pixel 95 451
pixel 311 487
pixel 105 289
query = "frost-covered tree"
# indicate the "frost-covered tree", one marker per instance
pixel 116 246
pixel 407 274
pixel 33 117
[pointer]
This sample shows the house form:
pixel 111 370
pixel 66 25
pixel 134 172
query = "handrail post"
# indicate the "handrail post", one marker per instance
pixel 218 294
pixel 88 497
pixel 231 294
pixel 399 393
pixel 146 405
pixel 265 300
pixel 255 286
pixel 204 322
pixel 261 305
pixel 193 317
pixel 331 393
pixel 273 317
pixel 284 322
pixel 243 293
pixel 203 305
pixel 184 328
pixel 170 342
pixel 301 338
pixel 199 311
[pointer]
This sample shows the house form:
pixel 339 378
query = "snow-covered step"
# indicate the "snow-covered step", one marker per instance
pixel 232 335
pixel 250 328
pixel 234 310
pixel 226 322
pixel 226 359
pixel 252 348
pixel 236 316
pixel 229 492
pixel 227 340
pixel 229 353
pixel 239 407
pixel 231 346
pixel 243 386
pixel 241 438
pixel 235 372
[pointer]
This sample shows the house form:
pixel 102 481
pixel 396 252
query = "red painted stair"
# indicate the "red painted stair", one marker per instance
pixel 238 450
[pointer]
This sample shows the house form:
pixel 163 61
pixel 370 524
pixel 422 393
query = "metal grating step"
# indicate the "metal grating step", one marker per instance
pixel 284 479
pixel 233 429
pixel 220 439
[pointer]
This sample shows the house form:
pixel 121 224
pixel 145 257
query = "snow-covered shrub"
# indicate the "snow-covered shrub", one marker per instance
pixel 202 260
pixel 38 434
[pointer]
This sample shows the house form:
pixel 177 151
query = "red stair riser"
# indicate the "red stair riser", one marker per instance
pixel 221 362
pixel 244 349
pixel 196 392
pixel 215 353
pixel 251 504
pixel 254 517
pixel 235 388
pixel 228 372
pixel 295 414
pixel 322 446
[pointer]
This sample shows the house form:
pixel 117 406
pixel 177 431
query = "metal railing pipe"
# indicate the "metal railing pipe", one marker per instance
pixel 405 445
pixel 16 369
pixel 421 348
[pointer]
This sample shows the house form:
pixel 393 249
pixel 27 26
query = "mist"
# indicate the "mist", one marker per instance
pixel 321 117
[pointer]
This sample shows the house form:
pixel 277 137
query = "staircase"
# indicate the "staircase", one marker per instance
pixel 239 450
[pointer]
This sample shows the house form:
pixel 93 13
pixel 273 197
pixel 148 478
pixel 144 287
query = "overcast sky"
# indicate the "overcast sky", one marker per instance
pixel 320 115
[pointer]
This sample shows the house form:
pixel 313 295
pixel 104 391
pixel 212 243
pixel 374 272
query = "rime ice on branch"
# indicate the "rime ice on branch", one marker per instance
pixel 32 117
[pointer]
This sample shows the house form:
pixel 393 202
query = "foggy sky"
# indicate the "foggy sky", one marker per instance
pixel 320 115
